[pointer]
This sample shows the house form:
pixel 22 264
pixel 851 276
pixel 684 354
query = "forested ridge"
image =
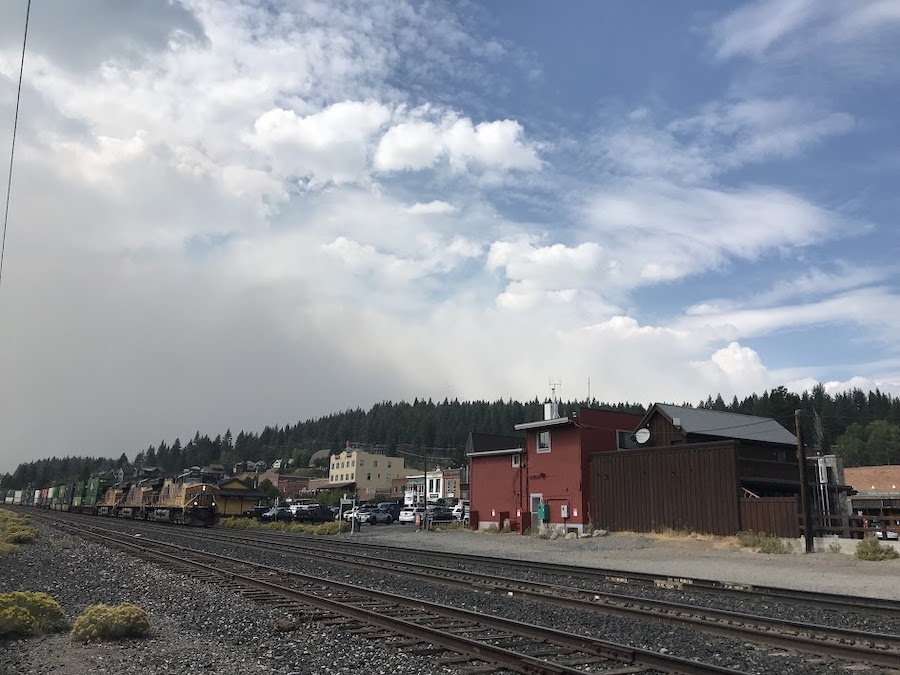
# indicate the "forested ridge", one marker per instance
pixel 862 427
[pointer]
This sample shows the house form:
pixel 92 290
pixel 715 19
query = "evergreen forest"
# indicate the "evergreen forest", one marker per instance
pixel 864 428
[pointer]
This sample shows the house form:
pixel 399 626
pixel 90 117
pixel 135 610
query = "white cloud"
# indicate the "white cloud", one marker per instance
pixel 661 231
pixel 722 136
pixel 330 146
pixel 413 146
pixel 431 208
pixel 786 28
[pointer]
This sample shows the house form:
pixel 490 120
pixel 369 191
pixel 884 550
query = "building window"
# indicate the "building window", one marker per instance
pixel 368 476
pixel 375 463
pixel 543 444
pixel 625 441
pixel 389 464
pixel 516 461
pixel 388 476
pixel 362 462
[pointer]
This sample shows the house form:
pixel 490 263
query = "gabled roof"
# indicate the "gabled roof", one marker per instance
pixel 724 424
pixel 481 442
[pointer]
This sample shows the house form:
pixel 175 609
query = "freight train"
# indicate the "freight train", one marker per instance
pixel 190 498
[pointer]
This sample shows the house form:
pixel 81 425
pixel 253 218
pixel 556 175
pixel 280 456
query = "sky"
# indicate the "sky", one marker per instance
pixel 232 214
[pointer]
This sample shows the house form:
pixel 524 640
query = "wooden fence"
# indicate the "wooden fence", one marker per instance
pixel 774 515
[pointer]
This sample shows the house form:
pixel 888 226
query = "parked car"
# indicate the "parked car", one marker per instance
pixel 255 512
pixel 408 514
pixel 391 507
pixel 884 533
pixel 461 509
pixel 374 516
pixel 313 513
pixel 441 515
pixel 277 514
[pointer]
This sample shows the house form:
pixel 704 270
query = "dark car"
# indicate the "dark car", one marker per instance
pixel 277 514
pixel 255 512
pixel 391 507
pixel 315 513
pixel 440 515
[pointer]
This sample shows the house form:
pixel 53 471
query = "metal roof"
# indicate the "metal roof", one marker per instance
pixel 542 423
pixel 726 424
pixel 491 453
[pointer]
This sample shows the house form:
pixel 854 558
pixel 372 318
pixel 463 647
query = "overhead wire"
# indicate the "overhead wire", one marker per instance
pixel 12 150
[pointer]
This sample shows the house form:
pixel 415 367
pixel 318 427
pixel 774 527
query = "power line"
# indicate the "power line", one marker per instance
pixel 12 150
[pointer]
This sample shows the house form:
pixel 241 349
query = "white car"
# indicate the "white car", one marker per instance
pixel 461 509
pixel 408 514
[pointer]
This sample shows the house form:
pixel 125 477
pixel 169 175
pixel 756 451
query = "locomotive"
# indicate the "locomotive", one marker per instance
pixel 190 498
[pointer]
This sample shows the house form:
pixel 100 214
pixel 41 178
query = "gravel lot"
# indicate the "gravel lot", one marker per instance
pixel 198 630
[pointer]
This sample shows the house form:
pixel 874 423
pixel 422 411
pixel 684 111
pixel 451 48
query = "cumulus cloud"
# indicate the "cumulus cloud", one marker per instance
pixel 487 145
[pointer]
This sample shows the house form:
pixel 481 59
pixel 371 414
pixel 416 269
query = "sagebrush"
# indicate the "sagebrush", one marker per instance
pixel 111 622
pixel 763 542
pixel 872 549
pixel 24 612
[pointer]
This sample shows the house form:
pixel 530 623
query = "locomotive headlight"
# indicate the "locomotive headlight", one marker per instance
pixel 195 503
pixel 214 503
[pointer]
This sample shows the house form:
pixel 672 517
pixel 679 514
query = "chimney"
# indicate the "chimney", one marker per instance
pixel 551 411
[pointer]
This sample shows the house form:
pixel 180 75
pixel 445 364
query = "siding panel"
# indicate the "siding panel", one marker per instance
pixel 679 488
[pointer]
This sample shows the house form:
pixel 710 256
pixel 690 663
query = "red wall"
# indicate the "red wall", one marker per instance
pixel 563 475
pixel 494 485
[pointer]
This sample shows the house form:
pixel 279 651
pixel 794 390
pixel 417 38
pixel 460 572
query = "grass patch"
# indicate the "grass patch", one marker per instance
pixel 15 529
pixel 871 549
pixel 331 527
pixel 763 542
pixel 111 622
pixel 25 612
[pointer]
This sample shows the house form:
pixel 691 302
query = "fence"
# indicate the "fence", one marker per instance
pixel 773 515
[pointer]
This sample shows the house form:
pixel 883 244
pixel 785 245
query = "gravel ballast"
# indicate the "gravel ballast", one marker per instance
pixel 198 629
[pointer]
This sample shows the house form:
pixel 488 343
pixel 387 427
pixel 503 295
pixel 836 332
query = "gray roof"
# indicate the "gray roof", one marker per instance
pixel 319 454
pixel 726 424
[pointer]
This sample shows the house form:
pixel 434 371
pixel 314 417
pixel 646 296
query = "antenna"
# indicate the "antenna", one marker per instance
pixel 553 385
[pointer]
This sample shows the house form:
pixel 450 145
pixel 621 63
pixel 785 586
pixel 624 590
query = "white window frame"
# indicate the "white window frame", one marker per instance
pixel 516 461
pixel 540 435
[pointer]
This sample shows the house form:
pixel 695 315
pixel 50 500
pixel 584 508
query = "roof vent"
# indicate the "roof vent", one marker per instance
pixel 676 422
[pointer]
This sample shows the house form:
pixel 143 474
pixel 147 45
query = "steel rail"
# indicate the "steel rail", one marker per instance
pixel 878 649
pixel 635 660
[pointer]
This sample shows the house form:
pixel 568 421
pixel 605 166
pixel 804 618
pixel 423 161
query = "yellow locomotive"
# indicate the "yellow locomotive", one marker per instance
pixel 188 499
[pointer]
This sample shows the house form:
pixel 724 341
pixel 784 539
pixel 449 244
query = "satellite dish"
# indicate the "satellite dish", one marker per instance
pixel 642 435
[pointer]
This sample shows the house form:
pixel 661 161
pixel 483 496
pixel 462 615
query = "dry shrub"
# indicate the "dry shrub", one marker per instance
pixel 871 549
pixel 7 549
pixel 110 622
pixel 763 542
pixel 327 528
pixel 23 612
pixel 18 534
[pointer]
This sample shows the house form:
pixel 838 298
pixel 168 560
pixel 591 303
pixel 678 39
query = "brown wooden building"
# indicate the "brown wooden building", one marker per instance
pixel 700 470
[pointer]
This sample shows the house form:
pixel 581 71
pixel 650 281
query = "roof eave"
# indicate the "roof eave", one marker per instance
pixel 494 453
pixel 559 421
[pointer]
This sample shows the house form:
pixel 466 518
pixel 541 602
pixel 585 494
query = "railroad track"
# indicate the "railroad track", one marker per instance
pixel 850 645
pixel 832 601
pixel 471 642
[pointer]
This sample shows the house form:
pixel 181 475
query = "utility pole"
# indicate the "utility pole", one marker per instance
pixel 804 485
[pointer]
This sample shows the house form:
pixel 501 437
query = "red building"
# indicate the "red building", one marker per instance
pixel 546 482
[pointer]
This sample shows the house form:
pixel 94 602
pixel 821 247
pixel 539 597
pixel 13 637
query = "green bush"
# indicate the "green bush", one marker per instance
pixel 763 542
pixel 871 549
pixel 23 612
pixel 110 622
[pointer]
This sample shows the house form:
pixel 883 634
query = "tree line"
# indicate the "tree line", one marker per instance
pixel 862 427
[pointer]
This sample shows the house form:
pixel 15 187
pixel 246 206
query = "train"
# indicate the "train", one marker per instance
pixel 190 498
